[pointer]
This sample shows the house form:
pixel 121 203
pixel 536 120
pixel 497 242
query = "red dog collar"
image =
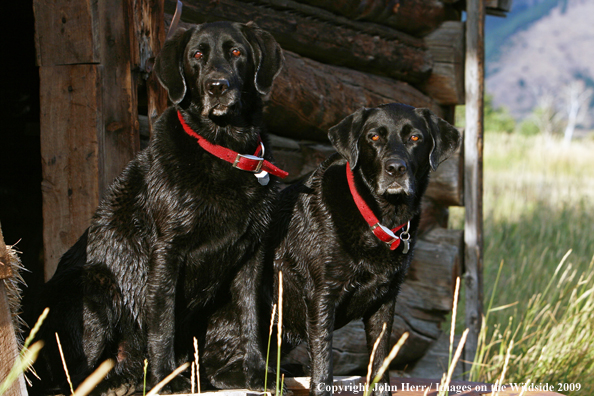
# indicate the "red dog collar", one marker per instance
pixel 250 163
pixel 383 233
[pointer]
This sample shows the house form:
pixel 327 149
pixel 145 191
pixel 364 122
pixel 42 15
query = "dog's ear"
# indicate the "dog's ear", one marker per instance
pixel 169 65
pixel 267 56
pixel 445 137
pixel 345 135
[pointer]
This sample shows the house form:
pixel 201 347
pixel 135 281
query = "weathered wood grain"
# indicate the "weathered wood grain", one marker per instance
pixel 118 135
pixel 473 173
pixel 70 117
pixel 446 82
pixel 309 97
pixel 417 17
pixel 317 39
pixel 66 32
pixel 148 36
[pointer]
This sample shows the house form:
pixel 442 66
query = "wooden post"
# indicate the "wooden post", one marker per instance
pixel 87 52
pixel 473 173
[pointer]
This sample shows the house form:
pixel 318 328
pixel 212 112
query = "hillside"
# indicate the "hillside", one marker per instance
pixel 537 51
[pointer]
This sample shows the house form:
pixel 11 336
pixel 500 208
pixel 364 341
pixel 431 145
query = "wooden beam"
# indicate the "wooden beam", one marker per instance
pixel 118 135
pixel 473 173
pixel 71 103
pixel 66 32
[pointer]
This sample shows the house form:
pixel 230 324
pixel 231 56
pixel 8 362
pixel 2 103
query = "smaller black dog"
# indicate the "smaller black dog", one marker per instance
pixel 344 238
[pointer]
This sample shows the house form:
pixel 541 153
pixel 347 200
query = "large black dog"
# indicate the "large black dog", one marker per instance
pixel 174 241
pixel 344 238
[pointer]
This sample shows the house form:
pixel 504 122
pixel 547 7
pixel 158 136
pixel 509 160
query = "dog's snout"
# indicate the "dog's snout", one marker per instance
pixel 217 87
pixel 396 167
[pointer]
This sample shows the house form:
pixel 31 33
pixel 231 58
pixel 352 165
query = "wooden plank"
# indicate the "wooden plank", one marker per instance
pixel 119 133
pixel 8 343
pixel 309 97
pixel 473 173
pixel 320 40
pixel 70 115
pixel 66 32
pixel 446 45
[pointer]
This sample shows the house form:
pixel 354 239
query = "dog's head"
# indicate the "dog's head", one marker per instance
pixel 394 144
pixel 214 64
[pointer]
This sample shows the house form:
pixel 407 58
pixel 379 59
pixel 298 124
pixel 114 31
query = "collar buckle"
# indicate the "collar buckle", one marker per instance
pixel 249 163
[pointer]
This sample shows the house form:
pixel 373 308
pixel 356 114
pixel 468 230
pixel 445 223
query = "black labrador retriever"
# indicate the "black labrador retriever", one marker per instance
pixel 344 237
pixel 174 240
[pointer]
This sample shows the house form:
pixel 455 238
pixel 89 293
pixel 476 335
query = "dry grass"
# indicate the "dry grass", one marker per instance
pixel 538 205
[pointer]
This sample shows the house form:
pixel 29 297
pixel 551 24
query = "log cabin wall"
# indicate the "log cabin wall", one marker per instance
pixel 98 96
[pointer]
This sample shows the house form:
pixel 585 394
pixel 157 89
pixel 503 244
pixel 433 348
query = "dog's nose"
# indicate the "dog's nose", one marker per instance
pixel 396 167
pixel 217 87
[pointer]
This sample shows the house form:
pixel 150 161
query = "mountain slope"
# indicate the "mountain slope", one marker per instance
pixel 542 57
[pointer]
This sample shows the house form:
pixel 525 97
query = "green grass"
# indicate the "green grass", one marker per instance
pixel 538 205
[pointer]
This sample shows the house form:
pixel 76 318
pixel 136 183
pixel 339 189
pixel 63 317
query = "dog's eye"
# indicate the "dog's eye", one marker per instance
pixel 236 52
pixel 414 138
pixel 374 136
pixel 198 55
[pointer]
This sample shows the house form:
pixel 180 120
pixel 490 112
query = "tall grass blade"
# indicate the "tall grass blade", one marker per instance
pixel 93 380
pixel 167 379
pixel 26 358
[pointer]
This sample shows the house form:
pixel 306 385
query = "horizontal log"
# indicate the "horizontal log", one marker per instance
pixel 446 82
pixel 309 97
pixel 320 40
pixel 425 297
pixel 416 17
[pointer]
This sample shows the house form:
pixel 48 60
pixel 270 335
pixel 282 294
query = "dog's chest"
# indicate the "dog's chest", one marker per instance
pixel 365 285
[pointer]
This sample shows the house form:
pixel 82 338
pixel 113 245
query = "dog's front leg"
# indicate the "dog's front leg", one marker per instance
pixel 160 314
pixel 373 327
pixel 245 297
pixel 320 325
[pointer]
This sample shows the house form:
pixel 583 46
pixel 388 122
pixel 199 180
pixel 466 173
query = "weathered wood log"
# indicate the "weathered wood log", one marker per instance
pixel 309 97
pixel 425 297
pixel 320 40
pixel 417 17
pixel 446 82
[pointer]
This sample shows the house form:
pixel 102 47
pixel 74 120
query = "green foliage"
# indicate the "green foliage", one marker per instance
pixel 497 119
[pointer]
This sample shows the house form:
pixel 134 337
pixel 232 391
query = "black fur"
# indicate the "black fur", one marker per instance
pixel 171 250
pixel 335 270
